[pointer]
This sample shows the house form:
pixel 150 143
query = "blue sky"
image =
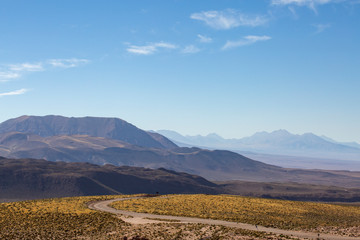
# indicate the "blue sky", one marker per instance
pixel 233 67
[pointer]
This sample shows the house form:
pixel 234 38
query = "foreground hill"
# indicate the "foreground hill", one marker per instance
pixel 112 128
pixel 31 179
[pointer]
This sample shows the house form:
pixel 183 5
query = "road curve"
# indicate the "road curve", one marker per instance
pixel 104 207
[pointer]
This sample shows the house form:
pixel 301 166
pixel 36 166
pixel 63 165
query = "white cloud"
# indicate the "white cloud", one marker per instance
pixel 308 3
pixel 165 45
pixel 247 40
pixel 16 92
pixel 13 71
pixel 228 19
pixel 6 76
pixel 142 50
pixel 301 2
pixel 321 27
pixel 26 67
pixel 150 48
pixel 190 49
pixel 204 39
pixel 67 63
pixel 292 10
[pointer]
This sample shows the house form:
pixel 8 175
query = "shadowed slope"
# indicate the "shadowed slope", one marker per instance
pixel 30 178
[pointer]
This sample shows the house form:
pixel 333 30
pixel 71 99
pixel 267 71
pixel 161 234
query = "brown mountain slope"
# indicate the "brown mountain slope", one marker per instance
pixel 30 178
pixel 15 141
pixel 211 164
pixel 113 128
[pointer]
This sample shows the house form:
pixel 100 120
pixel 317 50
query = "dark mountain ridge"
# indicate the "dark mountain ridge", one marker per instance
pixel 31 178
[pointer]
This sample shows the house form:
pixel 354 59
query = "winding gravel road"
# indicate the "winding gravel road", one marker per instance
pixel 144 218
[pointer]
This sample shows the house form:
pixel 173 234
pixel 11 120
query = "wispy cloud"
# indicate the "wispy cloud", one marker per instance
pixel 308 3
pixel 204 39
pixel 26 67
pixel 67 63
pixel 292 10
pixel 150 48
pixel 301 2
pixel 6 76
pixel 228 19
pixel 321 27
pixel 16 92
pixel 13 71
pixel 247 40
pixel 190 49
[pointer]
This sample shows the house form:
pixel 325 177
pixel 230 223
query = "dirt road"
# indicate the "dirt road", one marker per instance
pixel 144 218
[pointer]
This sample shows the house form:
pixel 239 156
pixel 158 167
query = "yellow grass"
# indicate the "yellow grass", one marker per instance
pixel 70 218
pixel 266 212
pixel 63 218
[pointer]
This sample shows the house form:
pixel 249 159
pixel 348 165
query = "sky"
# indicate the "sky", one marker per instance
pixel 233 67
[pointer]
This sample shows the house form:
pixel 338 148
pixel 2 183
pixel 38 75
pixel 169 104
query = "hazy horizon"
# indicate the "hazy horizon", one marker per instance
pixel 228 67
pixel 211 133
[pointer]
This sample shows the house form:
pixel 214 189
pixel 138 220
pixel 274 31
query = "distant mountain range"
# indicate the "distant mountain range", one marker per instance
pixel 100 141
pixel 350 144
pixel 279 142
